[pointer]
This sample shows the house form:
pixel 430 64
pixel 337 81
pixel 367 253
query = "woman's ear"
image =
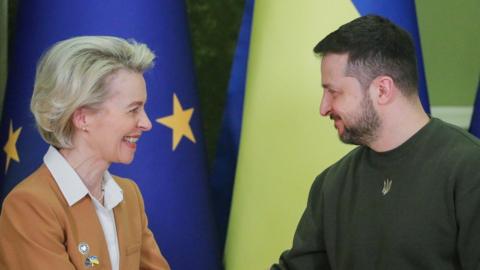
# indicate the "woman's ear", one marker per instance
pixel 79 118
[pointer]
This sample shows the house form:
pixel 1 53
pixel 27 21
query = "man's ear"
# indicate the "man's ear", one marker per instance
pixel 385 90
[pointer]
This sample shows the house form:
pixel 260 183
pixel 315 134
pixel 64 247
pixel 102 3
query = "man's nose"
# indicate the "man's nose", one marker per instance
pixel 325 105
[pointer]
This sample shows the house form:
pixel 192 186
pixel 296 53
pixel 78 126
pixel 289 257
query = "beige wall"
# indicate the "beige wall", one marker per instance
pixel 450 36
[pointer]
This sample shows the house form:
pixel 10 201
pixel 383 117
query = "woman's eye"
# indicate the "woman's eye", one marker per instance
pixel 134 110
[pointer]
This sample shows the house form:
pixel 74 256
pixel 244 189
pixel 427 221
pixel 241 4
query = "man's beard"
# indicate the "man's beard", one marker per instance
pixel 363 129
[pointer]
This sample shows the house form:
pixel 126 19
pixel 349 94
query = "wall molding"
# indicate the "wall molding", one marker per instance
pixel 457 115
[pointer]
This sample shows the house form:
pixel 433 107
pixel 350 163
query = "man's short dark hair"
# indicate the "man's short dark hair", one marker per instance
pixel 375 47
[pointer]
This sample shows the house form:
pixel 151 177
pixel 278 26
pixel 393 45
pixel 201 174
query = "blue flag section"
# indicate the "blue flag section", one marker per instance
pixel 475 123
pixel 170 165
pixel 223 175
pixel 402 13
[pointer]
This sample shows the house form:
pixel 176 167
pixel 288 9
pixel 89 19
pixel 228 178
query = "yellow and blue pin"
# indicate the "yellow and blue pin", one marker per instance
pixel 90 261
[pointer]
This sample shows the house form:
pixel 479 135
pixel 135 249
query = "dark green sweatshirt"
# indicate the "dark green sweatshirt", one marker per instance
pixel 414 207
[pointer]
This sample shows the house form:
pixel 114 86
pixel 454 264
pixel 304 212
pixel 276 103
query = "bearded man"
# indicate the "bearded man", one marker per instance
pixel 408 197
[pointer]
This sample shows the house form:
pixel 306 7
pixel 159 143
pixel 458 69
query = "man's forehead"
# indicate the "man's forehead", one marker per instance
pixel 339 58
pixel 334 64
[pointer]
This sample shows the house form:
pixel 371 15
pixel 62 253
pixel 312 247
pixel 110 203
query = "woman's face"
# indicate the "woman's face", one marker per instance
pixel 113 130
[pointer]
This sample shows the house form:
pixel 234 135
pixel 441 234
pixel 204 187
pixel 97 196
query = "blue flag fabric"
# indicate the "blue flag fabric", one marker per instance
pixel 171 173
pixel 223 175
pixel 402 13
pixel 475 122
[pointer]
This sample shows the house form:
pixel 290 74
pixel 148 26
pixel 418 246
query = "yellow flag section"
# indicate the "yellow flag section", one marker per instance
pixel 284 142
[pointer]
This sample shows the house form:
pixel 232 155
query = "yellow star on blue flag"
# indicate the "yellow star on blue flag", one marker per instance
pixel 179 122
pixel 10 147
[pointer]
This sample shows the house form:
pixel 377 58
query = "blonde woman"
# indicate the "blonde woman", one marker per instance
pixel 71 213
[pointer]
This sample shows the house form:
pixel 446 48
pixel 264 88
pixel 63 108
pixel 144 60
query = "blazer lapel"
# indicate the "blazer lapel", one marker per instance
pixel 120 222
pixel 90 232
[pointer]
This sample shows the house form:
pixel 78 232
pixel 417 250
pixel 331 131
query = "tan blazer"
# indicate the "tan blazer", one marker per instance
pixel 38 230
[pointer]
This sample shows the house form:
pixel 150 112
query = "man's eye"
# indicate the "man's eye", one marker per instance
pixel 332 92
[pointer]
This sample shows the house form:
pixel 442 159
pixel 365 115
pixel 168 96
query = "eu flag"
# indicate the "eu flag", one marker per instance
pixel 402 13
pixel 170 166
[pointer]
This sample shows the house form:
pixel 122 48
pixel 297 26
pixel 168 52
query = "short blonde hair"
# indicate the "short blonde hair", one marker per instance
pixel 72 74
